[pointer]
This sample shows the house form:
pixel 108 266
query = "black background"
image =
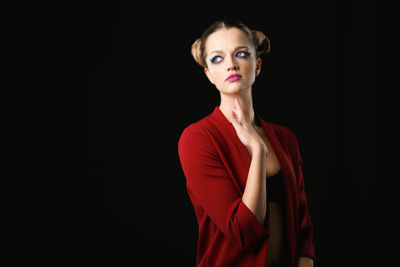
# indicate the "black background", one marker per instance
pixel 95 97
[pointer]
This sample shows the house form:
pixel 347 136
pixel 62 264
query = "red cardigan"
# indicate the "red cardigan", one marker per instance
pixel 216 165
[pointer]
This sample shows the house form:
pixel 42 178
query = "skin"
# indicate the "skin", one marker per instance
pixel 225 46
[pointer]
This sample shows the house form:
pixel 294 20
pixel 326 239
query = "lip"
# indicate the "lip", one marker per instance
pixel 234 77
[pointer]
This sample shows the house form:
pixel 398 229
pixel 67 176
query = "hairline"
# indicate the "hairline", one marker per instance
pixel 224 25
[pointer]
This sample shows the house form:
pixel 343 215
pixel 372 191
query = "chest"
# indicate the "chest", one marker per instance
pixel 272 162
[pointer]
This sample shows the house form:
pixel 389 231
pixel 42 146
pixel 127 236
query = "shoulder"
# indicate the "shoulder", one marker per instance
pixel 283 133
pixel 197 143
pixel 198 128
pixel 287 139
pixel 196 132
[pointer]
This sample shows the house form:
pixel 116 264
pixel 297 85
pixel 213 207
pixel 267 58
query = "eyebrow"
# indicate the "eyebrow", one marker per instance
pixel 220 51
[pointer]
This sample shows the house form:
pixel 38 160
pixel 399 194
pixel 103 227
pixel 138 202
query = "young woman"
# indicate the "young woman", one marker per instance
pixel 243 174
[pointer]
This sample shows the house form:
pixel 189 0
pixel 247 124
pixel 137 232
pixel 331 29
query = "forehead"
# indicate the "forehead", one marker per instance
pixel 226 40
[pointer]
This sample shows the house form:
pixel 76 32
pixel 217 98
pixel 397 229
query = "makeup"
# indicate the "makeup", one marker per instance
pixel 216 59
pixel 234 77
pixel 242 54
pixel 239 54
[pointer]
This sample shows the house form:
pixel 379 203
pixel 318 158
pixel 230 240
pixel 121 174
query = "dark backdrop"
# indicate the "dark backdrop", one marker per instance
pixel 96 96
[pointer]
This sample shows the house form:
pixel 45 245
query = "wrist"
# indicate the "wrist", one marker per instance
pixel 258 149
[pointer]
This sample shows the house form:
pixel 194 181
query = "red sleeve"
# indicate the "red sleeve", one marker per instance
pixel 212 189
pixel 306 246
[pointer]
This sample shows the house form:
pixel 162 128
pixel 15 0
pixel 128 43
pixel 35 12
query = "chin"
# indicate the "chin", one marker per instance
pixel 234 88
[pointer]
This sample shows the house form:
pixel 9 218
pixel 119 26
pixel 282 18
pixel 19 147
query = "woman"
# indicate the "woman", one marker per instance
pixel 243 174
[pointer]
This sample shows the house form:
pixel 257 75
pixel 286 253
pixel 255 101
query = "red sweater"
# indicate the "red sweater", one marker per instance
pixel 216 165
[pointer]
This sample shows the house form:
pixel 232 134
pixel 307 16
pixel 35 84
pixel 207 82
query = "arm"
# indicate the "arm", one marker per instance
pixel 238 217
pixel 254 195
pixel 212 191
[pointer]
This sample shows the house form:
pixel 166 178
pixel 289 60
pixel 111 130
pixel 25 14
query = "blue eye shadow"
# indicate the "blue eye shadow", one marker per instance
pixel 247 54
pixel 212 60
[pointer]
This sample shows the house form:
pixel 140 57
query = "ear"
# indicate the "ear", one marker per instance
pixel 258 66
pixel 207 72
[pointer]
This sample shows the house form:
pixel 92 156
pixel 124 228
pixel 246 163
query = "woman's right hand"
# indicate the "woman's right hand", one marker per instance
pixel 245 130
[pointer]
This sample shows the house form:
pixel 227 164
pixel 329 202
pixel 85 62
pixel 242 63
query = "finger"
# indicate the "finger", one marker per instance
pixel 233 119
pixel 235 108
pixel 238 110
pixel 236 105
pixel 234 116
pixel 236 102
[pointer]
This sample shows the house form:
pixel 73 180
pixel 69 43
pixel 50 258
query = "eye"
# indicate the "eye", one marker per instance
pixel 243 54
pixel 216 59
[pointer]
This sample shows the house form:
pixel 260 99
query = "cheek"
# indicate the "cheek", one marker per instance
pixel 217 74
pixel 249 69
pixel 247 66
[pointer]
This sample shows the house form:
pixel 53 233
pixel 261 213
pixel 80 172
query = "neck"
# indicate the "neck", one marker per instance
pixel 245 101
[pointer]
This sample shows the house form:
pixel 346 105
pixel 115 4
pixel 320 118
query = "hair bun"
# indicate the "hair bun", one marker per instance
pixel 263 45
pixel 196 52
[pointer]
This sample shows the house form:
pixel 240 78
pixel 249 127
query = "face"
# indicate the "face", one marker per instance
pixel 231 62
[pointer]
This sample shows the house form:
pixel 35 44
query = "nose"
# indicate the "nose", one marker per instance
pixel 231 64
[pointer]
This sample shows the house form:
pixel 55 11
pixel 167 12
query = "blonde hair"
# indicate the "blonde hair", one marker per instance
pixel 259 40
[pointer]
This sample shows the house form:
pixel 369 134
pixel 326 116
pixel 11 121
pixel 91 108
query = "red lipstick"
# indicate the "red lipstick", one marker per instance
pixel 234 77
